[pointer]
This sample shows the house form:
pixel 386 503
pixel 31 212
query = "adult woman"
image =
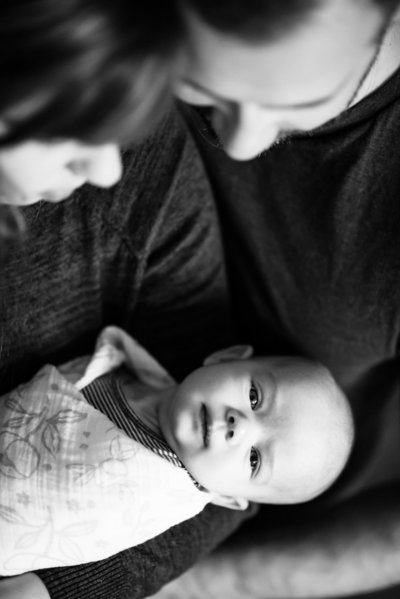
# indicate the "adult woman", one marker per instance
pixel 78 78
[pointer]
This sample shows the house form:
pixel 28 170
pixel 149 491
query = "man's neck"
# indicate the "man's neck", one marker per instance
pixel 387 61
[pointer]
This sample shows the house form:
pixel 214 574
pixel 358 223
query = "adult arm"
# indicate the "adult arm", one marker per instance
pixel 354 548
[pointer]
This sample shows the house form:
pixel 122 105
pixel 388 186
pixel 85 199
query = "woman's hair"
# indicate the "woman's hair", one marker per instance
pixel 255 21
pixel 93 70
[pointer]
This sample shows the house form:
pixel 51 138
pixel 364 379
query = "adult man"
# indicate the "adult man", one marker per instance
pixel 311 229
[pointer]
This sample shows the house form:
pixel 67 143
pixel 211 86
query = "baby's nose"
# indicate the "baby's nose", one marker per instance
pixel 235 426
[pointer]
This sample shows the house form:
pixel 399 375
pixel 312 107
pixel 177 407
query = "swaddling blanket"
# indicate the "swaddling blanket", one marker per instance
pixel 75 488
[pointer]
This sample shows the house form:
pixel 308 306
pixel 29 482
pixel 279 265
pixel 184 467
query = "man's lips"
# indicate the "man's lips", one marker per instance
pixel 205 425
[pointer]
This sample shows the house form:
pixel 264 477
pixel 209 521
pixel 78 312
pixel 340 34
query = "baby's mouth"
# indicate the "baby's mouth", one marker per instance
pixel 204 418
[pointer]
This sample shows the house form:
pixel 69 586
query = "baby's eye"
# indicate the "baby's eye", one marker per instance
pixel 254 396
pixel 254 460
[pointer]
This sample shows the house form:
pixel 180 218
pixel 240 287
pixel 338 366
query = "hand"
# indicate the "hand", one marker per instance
pixel 25 586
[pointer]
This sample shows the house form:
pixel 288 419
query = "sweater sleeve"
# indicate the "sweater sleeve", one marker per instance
pixel 164 282
pixel 177 305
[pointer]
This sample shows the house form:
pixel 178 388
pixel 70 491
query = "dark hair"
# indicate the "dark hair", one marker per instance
pixel 258 20
pixel 93 70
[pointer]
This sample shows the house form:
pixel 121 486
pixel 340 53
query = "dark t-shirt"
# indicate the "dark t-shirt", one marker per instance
pixel 312 239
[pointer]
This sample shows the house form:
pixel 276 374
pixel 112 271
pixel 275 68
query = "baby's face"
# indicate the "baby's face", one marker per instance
pixel 252 429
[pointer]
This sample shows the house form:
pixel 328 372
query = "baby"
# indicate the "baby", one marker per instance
pixel 106 452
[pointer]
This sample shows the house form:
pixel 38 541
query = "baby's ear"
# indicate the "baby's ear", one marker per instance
pixel 229 354
pixel 233 503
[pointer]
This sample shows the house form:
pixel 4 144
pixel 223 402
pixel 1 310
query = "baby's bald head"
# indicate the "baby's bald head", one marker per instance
pixel 316 432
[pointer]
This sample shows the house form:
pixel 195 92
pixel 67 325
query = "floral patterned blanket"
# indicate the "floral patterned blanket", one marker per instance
pixel 75 488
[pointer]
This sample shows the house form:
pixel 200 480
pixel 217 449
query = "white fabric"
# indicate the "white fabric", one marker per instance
pixel 75 488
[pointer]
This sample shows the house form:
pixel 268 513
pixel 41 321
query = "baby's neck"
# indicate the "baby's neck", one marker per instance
pixel 145 400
